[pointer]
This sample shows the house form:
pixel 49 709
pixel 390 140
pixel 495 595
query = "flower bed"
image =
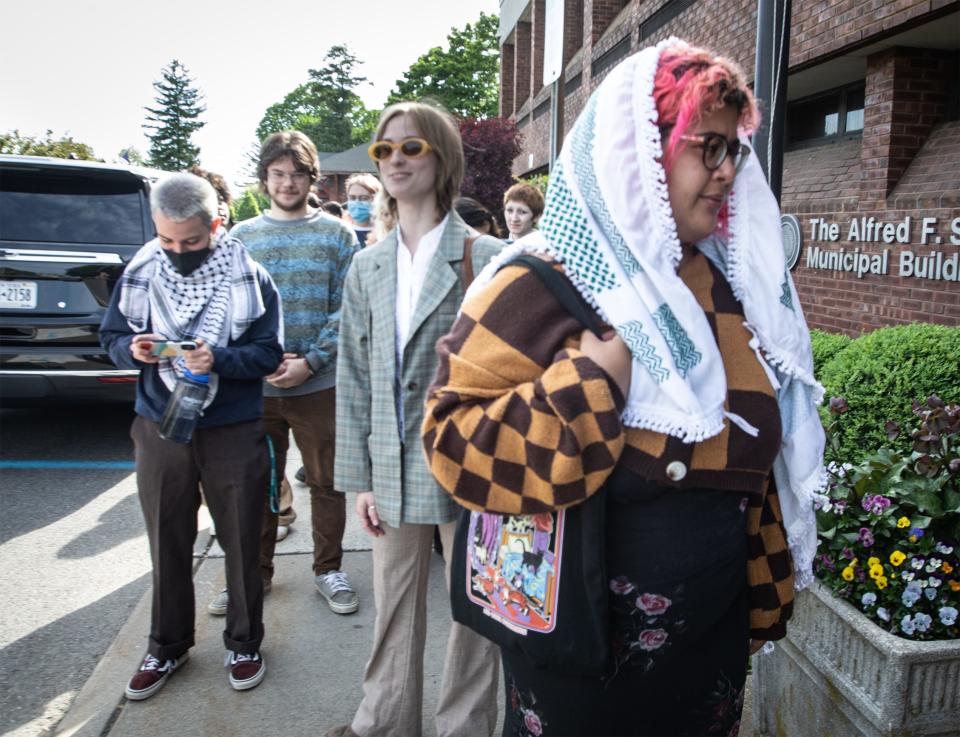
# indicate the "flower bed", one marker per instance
pixel 889 528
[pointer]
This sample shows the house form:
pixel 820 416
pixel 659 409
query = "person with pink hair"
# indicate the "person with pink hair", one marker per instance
pixel 690 414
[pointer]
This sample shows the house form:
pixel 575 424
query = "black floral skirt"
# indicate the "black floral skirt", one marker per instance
pixel 677 565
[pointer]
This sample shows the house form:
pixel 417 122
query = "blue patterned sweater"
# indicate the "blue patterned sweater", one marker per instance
pixel 308 259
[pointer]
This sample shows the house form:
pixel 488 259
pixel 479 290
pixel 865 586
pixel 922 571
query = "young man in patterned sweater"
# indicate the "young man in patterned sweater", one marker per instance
pixel 308 253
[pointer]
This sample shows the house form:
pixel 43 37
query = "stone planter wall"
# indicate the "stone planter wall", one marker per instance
pixel 837 674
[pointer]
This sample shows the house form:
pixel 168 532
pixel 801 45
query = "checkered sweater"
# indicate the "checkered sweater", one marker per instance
pixel 519 421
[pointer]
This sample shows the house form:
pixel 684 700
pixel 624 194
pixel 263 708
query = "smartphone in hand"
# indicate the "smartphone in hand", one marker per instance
pixel 171 348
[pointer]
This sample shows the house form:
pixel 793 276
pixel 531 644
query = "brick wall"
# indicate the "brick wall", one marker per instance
pixel 521 65
pixel 906 97
pixel 536 46
pixel 907 162
pixel 819 28
pixel 506 80
pixel 601 13
pixel 572 27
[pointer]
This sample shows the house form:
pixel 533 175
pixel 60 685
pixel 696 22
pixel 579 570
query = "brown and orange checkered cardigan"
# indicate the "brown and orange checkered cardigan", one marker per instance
pixel 519 421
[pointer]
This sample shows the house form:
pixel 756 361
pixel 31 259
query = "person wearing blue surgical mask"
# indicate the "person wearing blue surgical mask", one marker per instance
pixel 361 190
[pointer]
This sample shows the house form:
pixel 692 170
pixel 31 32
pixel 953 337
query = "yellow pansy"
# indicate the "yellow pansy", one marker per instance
pixel 876 571
pixel 873 561
pixel 903 522
pixel 896 557
pixel 847 573
pixel 881 582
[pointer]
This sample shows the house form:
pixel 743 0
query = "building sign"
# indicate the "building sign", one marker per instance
pixel 792 239
pixel 933 258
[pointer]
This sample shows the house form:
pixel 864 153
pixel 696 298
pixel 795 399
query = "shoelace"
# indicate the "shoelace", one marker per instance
pixel 151 663
pixel 234 658
pixel 337 580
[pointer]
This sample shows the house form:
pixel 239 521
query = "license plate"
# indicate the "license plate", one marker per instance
pixel 18 295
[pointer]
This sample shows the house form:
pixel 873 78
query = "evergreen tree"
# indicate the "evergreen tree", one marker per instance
pixel 326 108
pixel 174 120
pixel 249 205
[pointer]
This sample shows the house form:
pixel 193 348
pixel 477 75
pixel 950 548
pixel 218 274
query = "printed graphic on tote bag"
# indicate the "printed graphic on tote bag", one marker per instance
pixel 513 568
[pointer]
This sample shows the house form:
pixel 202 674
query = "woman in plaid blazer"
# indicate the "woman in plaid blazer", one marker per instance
pixel 401 295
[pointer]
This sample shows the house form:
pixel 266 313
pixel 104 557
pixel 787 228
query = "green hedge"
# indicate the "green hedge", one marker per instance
pixel 825 347
pixel 881 373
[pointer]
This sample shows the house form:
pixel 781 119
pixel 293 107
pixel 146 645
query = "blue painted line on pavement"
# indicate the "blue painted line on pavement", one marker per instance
pixel 121 465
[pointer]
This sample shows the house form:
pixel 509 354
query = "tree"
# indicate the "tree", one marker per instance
pixel 464 77
pixel 59 148
pixel 251 203
pixel 326 108
pixel 489 146
pixel 174 120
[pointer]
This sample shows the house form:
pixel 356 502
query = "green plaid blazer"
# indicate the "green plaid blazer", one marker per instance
pixel 370 454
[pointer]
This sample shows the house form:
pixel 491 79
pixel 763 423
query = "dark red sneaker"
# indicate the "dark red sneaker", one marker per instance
pixel 152 676
pixel 246 669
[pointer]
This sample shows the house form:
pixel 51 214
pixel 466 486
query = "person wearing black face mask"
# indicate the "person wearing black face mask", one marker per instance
pixel 195 282
pixel 186 262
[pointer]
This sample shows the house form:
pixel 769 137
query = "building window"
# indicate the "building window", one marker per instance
pixel 826 116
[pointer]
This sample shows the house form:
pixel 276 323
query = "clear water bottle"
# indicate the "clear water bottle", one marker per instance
pixel 185 407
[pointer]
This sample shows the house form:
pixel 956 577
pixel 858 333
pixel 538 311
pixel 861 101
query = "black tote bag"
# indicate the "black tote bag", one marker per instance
pixel 537 585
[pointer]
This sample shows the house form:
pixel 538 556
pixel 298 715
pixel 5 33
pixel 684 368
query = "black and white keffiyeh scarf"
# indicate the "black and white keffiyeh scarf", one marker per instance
pixel 217 302
pixel 608 221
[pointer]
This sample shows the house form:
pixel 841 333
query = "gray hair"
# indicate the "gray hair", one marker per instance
pixel 184 196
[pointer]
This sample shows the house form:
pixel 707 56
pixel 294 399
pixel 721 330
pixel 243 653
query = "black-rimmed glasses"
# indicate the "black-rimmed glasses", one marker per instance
pixel 716 148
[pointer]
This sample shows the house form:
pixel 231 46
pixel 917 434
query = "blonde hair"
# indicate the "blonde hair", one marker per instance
pixel 439 129
pixel 367 181
pixel 383 220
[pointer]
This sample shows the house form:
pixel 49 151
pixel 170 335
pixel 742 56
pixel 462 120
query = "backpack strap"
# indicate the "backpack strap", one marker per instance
pixel 564 292
pixel 466 266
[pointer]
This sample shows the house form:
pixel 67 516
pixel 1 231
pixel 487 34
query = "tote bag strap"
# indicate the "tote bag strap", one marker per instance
pixel 564 292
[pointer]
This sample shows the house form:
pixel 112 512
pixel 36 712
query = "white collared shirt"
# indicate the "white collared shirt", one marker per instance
pixel 411 275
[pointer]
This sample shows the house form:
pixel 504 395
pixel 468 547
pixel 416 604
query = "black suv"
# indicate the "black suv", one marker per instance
pixel 67 228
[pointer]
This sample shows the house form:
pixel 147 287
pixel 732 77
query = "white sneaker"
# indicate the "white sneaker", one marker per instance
pixel 282 532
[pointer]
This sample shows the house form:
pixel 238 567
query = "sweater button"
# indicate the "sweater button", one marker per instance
pixel 676 471
pixel 413 386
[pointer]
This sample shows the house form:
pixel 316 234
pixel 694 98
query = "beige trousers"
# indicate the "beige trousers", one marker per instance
pixel 393 681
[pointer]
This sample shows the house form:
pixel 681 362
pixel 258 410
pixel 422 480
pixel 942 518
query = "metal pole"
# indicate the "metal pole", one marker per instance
pixel 770 86
pixel 554 123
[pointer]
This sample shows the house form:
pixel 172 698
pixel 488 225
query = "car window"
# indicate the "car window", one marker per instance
pixel 61 207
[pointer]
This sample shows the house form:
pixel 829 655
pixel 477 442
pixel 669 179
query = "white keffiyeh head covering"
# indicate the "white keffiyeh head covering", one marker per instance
pixel 608 221
pixel 217 302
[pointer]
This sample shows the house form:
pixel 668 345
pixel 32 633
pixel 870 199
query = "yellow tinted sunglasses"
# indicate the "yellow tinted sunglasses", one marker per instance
pixel 411 148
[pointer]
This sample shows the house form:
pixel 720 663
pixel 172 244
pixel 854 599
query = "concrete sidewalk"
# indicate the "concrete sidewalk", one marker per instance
pixel 315 658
